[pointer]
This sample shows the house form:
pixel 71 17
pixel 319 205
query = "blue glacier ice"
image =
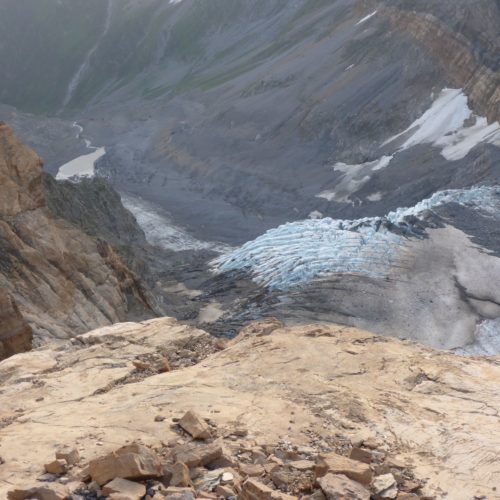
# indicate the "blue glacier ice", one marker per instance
pixel 298 252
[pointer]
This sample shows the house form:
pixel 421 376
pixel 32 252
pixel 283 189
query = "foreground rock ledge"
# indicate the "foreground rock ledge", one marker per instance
pixel 312 386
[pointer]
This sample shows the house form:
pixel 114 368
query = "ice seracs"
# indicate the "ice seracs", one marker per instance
pixel 299 252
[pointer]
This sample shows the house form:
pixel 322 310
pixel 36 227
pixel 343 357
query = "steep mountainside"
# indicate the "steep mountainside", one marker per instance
pixel 54 277
pixel 363 135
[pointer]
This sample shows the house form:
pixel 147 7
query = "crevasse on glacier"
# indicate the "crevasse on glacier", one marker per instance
pixel 299 252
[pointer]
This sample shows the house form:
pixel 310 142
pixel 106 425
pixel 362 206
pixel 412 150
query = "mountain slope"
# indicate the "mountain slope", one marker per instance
pixel 60 280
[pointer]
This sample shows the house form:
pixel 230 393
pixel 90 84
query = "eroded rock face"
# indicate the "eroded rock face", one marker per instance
pixel 20 175
pixel 470 58
pixel 15 334
pixel 60 281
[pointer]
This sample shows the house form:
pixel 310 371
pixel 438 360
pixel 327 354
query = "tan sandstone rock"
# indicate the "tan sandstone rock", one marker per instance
pixel 70 455
pixel 52 491
pixel 56 467
pixel 255 490
pixel 180 475
pixel 194 455
pixel 126 488
pixel 338 464
pixel 129 462
pixel 340 487
pixel 194 425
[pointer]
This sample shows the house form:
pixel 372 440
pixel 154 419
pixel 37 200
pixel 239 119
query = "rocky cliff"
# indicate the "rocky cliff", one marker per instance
pixel 468 52
pixel 53 277
pixel 286 408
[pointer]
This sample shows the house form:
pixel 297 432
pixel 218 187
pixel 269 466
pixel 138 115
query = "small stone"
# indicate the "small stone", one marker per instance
pixel 53 491
pixel 385 486
pixel 407 496
pixel 141 366
pixel 47 478
pixel 58 466
pixel 361 455
pixel 302 465
pixel 339 486
pixel 224 491
pixel 70 455
pixel 195 426
pixel 174 493
pixel 394 463
pixel 128 489
pixel 338 464
pixel 180 476
pixel 164 365
pixel 227 477
pixel 255 490
pixel 159 418
pixel 252 470
pixel 317 495
pixel 194 455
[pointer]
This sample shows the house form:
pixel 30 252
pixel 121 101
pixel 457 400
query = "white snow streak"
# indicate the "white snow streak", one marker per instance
pixel 369 16
pixel 161 231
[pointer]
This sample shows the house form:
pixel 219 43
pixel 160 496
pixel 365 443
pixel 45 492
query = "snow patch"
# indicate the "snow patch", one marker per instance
pixel 451 125
pixel 81 167
pixel 448 124
pixel 161 231
pixel 355 177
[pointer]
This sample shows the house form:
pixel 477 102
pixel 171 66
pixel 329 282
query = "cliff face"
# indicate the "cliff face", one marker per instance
pixel 62 281
pixel 15 334
pixel 469 57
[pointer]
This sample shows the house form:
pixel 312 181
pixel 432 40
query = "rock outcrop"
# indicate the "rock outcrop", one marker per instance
pixel 470 61
pixel 15 334
pixel 54 278
pixel 291 411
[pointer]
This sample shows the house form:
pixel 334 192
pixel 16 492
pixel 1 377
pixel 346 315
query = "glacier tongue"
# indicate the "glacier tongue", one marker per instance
pixel 298 252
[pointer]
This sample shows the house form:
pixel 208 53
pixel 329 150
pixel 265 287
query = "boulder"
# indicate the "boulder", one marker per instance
pixel 129 489
pixel 337 464
pixel 255 490
pixel 195 426
pixel 340 487
pixel 129 462
pixel 194 455
pixel 53 491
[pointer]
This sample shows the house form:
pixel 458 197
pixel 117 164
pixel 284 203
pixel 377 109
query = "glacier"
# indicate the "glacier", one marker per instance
pixel 296 253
